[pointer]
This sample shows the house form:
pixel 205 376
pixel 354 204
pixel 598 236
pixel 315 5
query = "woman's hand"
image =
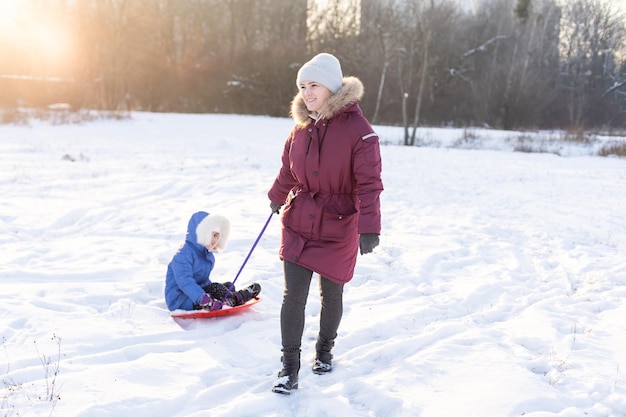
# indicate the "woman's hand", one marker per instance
pixel 275 207
pixel 367 242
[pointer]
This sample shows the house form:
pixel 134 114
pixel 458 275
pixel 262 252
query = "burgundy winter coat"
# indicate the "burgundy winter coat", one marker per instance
pixel 330 180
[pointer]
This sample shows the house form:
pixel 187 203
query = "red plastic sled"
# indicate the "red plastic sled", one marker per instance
pixel 206 314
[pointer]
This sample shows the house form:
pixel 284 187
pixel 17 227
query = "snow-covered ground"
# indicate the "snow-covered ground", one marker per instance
pixel 499 288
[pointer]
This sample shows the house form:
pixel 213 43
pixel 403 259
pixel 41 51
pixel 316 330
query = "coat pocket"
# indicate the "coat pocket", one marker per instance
pixel 338 227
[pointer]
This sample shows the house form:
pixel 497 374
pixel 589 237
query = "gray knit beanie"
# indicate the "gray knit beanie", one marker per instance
pixel 323 68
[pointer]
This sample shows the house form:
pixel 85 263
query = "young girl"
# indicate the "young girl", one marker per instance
pixel 187 283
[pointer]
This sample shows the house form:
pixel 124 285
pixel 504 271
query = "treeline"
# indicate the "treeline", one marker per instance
pixel 511 64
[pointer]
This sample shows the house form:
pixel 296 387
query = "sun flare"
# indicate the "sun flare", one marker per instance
pixel 40 34
pixel 48 40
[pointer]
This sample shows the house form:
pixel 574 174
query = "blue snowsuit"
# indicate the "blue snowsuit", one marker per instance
pixel 188 272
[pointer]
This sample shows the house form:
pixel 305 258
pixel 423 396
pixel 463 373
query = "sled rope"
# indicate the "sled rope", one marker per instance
pixel 217 305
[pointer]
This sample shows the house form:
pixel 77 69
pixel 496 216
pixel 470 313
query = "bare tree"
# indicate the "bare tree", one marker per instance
pixel 261 80
pixel 425 46
pixel 592 31
pixel 510 68
pixel 376 36
pixel 509 63
pixel 530 75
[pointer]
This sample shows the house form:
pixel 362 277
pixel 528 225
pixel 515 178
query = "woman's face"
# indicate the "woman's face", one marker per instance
pixel 315 95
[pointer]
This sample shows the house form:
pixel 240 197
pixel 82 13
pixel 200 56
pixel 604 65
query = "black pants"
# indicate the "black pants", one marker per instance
pixel 297 284
pixel 218 291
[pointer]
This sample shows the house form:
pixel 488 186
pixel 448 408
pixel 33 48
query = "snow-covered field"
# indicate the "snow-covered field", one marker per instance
pixel 499 288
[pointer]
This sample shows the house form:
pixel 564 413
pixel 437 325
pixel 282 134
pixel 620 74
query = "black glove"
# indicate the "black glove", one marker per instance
pixel 275 207
pixel 367 242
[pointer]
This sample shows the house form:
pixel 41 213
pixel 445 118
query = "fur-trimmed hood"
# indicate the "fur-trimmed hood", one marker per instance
pixel 352 90
pixel 201 227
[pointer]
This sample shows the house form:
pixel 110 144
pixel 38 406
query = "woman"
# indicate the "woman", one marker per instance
pixel 330 183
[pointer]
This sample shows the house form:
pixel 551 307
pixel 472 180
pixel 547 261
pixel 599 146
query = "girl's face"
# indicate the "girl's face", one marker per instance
pixel 315 95
pixel 214 240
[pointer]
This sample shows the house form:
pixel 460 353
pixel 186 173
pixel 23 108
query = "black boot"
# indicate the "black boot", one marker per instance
pixel 323 358
pixel 240 297
pixel 288 376
pixel 323 363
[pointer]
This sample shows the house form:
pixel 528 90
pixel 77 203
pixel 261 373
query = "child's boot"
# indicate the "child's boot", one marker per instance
pixel 243 296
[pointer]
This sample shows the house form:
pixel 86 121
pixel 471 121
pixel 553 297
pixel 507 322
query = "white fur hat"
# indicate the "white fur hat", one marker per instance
pixel 323 68
pixel 213 223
